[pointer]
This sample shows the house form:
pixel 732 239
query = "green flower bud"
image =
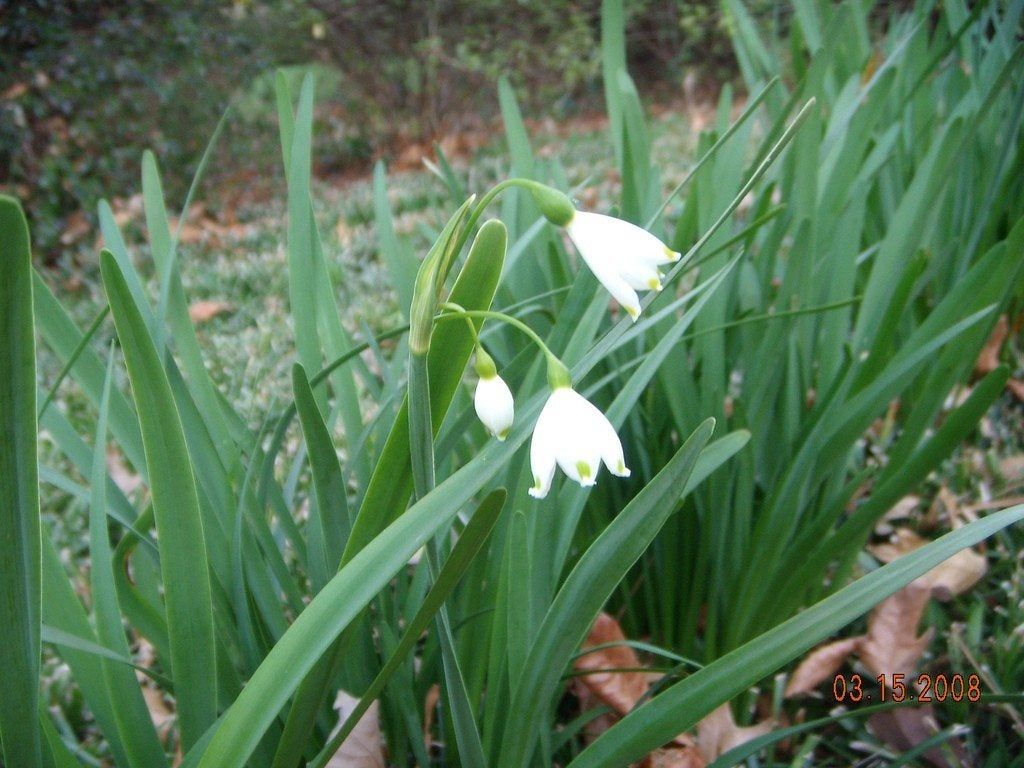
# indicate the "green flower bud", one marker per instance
pixel 556 206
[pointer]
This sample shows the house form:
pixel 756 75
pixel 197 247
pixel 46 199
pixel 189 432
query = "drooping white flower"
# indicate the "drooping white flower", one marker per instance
pixel 494 405
pixel 574 435
pixel 623 256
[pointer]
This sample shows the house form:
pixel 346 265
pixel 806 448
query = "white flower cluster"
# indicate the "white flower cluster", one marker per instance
pixel 571 433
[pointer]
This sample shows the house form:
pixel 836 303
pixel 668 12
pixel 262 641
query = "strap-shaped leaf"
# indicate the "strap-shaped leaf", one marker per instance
pixel 685 703
pixel 19 497
pixel 585 591
pixel 183 556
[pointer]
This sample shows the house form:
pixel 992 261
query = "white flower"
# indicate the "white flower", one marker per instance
pixel 576 436
pixel 494 406
pixel 624 257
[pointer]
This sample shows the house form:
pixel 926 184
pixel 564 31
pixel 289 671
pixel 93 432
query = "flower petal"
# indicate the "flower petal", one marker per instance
pixel 611 448
pixel 640 275
pixel 494 406
pixel 542 449
pixel 621 235
pixel 621 255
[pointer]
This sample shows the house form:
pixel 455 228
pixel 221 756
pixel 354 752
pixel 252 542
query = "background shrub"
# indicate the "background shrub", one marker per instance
pixel 86 85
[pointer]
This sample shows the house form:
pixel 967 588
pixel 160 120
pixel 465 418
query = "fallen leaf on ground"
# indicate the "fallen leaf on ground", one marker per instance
pixel 119 472
pixel 15 91
pixel 717 733
pixel 903 508
pixel 951 577
pixel 433 696
pixel 892 644
pixel 820 665
pixel 202 311
pixel 902 541
pixel 619 690
pixel 75 228
pixel 159 712
pixel 1012 468
pixel 988 358
pixel 956 575
pixel 362 747
pixel 674 757
pixel 906 727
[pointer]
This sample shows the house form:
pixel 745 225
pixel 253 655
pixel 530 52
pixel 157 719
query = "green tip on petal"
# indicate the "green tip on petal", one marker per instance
pixel 654 284
pixel 672 255
pixel 584 469
pixel 502 435
pixel 633 312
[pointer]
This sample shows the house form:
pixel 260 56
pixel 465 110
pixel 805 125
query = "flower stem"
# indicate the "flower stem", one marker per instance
pixel 558 373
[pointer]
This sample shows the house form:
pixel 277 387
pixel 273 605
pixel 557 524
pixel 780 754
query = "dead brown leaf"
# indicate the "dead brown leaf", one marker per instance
pixel 902 541
pixel 820 664
pixel 1017 387
pixel 203 311
pixel 433 696
pixel 159 712
pixel 674 757
pixel 988 358
pixel 892 644
pixel 1012 468
pixel 951 577
pixel 906 727
pixel 362 747
pixel 717 733
pixel 619 690
pixel 902 509
pixel 956 575
pixel 14 92
pixel 75 228
pixel 123 477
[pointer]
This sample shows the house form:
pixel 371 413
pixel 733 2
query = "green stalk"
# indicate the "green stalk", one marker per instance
pixel 421 443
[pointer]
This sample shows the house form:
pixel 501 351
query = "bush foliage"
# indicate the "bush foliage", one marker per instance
pixel 86 84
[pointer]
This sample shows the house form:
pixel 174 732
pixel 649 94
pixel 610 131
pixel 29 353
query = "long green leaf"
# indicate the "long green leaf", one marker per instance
pixel 466 548
pixel 20 569
pixel 334 608
pixel 133 720
pixel 585 591
pixel 329 522
pixel 183 556
pixel 685 703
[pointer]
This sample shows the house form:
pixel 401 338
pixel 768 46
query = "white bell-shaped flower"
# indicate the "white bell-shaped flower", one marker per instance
pixel 494 405
pixel 574 435
pixel 623 256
